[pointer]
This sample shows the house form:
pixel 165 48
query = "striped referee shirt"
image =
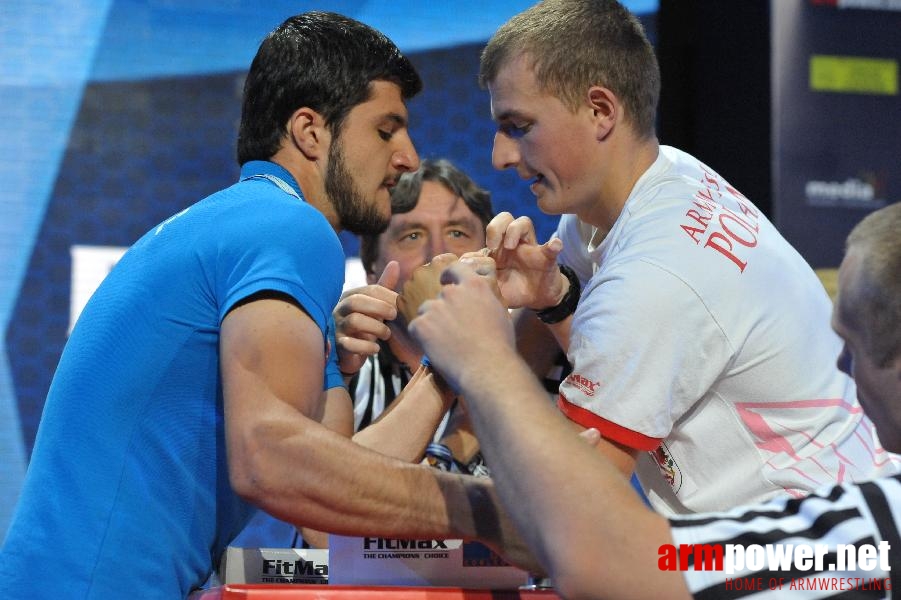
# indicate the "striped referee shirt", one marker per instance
pixel 760 545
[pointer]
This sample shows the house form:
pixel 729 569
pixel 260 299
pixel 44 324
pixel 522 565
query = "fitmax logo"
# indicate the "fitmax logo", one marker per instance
pixel 372 543
pixel 586 385
pixel 295 568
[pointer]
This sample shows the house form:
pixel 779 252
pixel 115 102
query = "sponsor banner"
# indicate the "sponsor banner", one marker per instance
pixel 835 110
pixel 274 565
pixel 449 563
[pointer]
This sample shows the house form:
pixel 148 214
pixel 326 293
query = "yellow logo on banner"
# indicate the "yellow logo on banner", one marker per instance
pixel 854 75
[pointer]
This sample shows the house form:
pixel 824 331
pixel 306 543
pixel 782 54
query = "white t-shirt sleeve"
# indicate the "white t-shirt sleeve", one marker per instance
pixel 644 350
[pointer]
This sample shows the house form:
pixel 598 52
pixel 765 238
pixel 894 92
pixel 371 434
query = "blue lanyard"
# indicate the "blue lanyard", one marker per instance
pixel 279 182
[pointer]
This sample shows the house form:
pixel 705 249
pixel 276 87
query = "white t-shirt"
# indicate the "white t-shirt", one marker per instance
pixel 703 338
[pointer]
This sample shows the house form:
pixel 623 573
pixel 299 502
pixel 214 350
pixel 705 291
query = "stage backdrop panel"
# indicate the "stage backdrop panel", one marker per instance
pixel 836 119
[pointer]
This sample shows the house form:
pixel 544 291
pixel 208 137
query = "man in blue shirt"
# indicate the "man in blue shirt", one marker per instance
pixel 201 378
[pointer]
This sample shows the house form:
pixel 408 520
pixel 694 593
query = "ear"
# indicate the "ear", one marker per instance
pixel 606 109
pixel 308 133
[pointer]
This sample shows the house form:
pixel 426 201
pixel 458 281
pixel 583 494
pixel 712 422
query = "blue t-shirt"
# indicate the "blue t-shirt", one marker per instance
pixel 128 484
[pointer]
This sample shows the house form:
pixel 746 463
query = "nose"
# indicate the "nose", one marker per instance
pixel 435 247
pixel 405 157
pixel 504 153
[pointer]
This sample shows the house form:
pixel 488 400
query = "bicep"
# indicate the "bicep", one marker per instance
pixel 621 456
pixel 272 358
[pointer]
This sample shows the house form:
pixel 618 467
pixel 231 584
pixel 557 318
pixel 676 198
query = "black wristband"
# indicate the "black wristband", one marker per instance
pixel 567 305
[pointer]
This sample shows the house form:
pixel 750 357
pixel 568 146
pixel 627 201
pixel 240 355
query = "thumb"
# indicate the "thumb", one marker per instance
pixel 591 436
pixel 552 248
pixel 390 275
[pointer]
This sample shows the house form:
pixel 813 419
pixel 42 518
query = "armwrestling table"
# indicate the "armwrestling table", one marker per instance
pixel 353 592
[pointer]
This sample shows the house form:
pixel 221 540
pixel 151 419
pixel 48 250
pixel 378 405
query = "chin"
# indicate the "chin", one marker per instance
pixel 549 207
pixel 368 226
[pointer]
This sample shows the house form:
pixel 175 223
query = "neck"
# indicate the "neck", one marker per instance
pixel 624 165
pixel 309 177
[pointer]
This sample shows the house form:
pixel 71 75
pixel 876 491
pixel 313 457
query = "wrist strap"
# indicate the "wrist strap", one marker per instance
pixel 567 305
pixel 439 456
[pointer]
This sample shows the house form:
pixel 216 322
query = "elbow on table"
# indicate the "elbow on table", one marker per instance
pixel 247 478
pixel 586 572
pixel 572 582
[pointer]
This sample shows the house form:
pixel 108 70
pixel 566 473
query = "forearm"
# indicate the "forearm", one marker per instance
pixel 293 467
pixel 560 331
pixel 582 518
pixel 408 425
pixel 534 341
pixel 305 474
pixel 461 441
pixel 539 343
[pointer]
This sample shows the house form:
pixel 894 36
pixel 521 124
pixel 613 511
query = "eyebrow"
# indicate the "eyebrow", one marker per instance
pixel 396 118
pixel 463 222
pixel 451 223
pixel 507 115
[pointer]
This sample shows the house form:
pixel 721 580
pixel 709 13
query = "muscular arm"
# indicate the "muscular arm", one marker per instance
pixel 538 343
pixel 402 431
pixel 459 436
pixel 407 426
pixel 281 459
pixel 582 518
pixel 337 416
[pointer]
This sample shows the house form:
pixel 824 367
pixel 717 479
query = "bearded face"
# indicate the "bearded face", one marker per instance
pixel 357 213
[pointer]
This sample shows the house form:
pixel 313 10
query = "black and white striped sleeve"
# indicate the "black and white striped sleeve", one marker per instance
pixel 829 521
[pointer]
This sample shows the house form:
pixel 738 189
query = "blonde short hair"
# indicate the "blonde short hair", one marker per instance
pixel 576 44
pixel 876 304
